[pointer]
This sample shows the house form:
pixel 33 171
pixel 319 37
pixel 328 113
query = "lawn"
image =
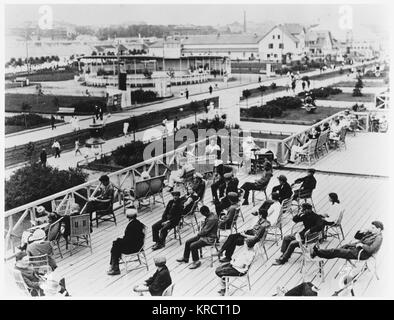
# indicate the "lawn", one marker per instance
pixel 366 97
pixel 296 116
pixel 366 84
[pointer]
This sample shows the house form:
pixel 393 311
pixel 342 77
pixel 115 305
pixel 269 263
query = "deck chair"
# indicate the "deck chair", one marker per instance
pixel 54 234
pixel 211 247
pixel 169 290
pixel 139 256
pixel 342 139
pixel 21 284
pixel 105 214
pixel 335 230
pixel 186 179
pixel 40 264
pixel 277 226
pixel 304 195
pixel 263 189
pixel 260 246
pixel 231 280
pixel 80 229
pixel 310 240
pixel 321 144
pixel 191 216
pixel 309 153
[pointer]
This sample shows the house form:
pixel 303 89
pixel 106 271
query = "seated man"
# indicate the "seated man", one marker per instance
pixel 259 184
pixel 368 242
pixel 312 223
pixel 170 218
pixel 39 246
pixel 283 189
pixel 189 200
pixel 219 181
pixel 160 280
pixel 103 199
pixel 132 241
pixel 179 175
pixel 308 184
pixel 199 185
pixel 231 185
pixel 237 267
pixel 226 220
pixel 251 236
pixel 206 236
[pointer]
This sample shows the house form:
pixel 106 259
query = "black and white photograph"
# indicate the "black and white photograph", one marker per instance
pixel 200 150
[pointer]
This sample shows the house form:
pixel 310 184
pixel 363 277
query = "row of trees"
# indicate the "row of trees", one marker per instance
pixel 32 60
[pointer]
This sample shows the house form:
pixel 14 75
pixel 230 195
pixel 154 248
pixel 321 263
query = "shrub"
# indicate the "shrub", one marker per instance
pixel 268 111
pixel 322 92
pixel 129 154
pixel 32 119
pixel 142 96
pixel 273 86
pixel 34 182
pixel 286 102
pixel 357 88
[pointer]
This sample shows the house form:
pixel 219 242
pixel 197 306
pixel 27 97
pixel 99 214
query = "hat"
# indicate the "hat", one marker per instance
pixel 176 193
pixel 104 178
pixel 282 178
pixel 37 235
pixel 198 175
pixel 218 162
pixel 228 175
pixel 131 213
pixel 378 224
pixel 306 206
pixel 311 170
pixel 160 261
pixel 40 209
pixel 232 196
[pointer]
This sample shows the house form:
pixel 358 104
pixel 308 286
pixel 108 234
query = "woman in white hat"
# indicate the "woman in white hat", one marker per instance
pixel 39 246
pixel 41 216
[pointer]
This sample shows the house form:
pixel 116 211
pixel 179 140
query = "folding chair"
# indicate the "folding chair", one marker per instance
pixel 21 284
pixel 40 264
pixel 106 215
pixel 211 247
pixel 169 290
pixel 233 226
pixel 278 224
pixel 80 228
pixel 260 246
pixel 241 193
pixel 309 153
pixel 54 234
pixel 230 280
pixel 190 215
pixel 335 230
pixel 254 198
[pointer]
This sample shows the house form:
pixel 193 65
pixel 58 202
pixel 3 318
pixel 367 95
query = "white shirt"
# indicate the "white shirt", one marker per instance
pixel 333 212
pixel 56 145
pixel 210 149
pixel 242 261
pixel 273 212
pixel 247 150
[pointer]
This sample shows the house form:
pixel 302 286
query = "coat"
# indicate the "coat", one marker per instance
pixel 160 280
pixel 312 222
pixel 232 186
pixel 209 229
pixel 226 221
pixel 173 212
pixel 134 236
pixel 199 188
pixel 284 190
pixel 371 242
pixel 308 182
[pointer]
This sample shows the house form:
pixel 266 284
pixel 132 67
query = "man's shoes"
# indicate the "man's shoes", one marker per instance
pixel 279 262
pixel 255 213
pixel 182 260
pixel 113 272
pixel 158 246
pixel 225 260
pixel 195 265
pixel 245 203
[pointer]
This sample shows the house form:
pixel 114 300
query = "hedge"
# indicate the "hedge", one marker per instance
pixel 32 120
pixel 286 102
pixel 143 96
pixel 322 92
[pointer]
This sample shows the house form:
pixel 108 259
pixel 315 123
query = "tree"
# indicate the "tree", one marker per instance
pixel 33 182
pixel 26 109
pixel 357 88
pixel 195 107
pixel 246 94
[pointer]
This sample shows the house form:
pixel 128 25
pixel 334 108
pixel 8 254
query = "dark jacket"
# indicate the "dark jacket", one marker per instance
pixel 43 156
pixel 264 180
pixel 308 182
pixel 371 242
pixel 209 229
pixel 226 221
pixel 312 222
pixel 133 238
pixel 284 190
pixel 222 169
pixel 173 212
pixel 266 205
pixel 199 188
pixel 159 281
pixel 232 186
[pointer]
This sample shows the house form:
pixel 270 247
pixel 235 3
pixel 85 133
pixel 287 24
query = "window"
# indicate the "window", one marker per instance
pixel 270 46
pixel 275 55
pixel 278 36
pixel 281 46
pixel 273 36
pixel 268 56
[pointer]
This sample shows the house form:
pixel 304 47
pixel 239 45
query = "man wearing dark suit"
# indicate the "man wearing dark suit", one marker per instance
pixel 132 241
pixel 231 185
pixel 160 280
pixel 170 218
pixel 313 223
pixel 259 184
pixel 307 186
pixel 283 189
pixel 199 185
pixel 206 236
pixel 219 184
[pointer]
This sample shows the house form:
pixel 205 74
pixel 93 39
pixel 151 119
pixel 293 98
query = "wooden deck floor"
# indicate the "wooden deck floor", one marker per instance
pixel 363 199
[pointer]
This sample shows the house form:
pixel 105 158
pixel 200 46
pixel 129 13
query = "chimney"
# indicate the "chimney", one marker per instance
pixel 244 21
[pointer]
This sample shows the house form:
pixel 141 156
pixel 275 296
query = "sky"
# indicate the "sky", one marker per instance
pixel 198 14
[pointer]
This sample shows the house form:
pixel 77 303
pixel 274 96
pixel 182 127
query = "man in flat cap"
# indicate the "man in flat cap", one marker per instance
pixel 102 199
pixel 368 243
pixel 160 280
pixel 170 218
pixel 132 241
pixel 313 224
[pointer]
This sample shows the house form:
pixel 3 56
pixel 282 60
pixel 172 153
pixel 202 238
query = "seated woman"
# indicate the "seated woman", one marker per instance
pixel 332 214
pixel 178 175
pixel 295 150
pixel 188 200
pixel 335 130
